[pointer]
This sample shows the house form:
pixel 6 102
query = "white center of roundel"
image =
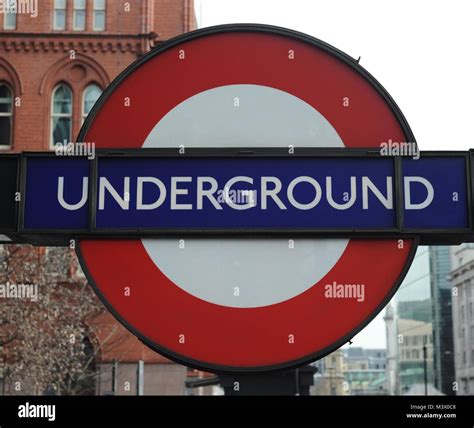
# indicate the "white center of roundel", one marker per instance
pixel 244 272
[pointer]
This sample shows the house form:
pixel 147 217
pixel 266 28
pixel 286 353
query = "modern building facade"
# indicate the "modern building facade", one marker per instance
pixel 442 319
pixel 415 353
pixel 413 310
pixel 351 371
pixel 366 382
pixel 356 357
pixel 364 370
pixel 462 278
pixel 422 318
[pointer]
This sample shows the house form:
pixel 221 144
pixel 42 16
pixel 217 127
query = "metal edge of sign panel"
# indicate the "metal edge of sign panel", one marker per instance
pixel 303 38
pixel 17 207
pixel 426 235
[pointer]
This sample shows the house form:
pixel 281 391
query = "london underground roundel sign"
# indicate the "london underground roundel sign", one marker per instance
pixel 244 303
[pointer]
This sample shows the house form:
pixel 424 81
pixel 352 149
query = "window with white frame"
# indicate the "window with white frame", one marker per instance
pixel 79 15
pixel 91 95
pixel 6 115
pixel 59 18
pixel 98 17
pixel 9 14
pixel 61 115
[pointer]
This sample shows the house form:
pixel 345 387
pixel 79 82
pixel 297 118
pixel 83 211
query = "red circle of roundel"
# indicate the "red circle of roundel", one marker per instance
pixel 220 338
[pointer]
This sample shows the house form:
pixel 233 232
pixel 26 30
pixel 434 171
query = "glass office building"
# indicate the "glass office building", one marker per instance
pixel 424 322
pixel 441 298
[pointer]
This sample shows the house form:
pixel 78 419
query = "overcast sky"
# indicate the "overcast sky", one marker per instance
pixel 421 51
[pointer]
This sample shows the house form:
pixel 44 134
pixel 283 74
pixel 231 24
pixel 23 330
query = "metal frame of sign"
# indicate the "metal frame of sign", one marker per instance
pixel 9 231
pixel 436 236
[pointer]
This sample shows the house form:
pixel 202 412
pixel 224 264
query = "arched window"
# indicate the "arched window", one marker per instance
pixel 61 115
pixel 6 115
pixel 91 95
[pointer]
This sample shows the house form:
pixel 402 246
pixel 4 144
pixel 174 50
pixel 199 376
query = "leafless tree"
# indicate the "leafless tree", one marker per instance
pixel 46 344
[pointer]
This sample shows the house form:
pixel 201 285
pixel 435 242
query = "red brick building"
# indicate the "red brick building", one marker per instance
pixel 56 60
pixel 54 63
pixel 117 364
